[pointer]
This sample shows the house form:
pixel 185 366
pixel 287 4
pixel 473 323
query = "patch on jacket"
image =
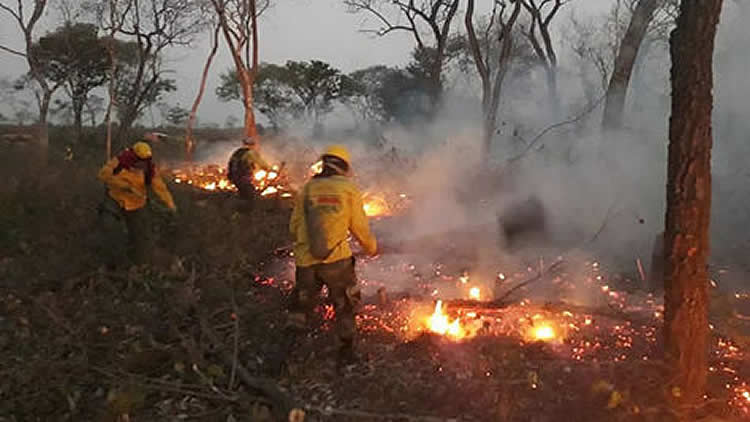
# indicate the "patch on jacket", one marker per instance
pixel 328 200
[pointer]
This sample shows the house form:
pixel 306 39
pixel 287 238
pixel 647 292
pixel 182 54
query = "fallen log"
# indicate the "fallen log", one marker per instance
pixel 283 405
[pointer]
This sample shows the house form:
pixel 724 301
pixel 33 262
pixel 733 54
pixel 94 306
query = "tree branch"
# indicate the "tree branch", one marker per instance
pixel 12 51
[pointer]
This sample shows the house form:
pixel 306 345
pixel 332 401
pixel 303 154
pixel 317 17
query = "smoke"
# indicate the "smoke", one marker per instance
pixel 604 192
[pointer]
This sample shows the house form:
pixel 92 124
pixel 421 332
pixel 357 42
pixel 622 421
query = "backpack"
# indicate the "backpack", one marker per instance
pixel 237 167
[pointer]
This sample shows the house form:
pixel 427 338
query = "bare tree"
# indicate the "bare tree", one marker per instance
pixel 153 26
pixel 435 15
pixel 492 74
pixel 689 199
pixel 541 14
pixel 625 61
pixel 238 20
pixel 189 138
pixel 27 26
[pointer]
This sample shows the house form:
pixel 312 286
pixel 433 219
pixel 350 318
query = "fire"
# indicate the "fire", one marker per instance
pixel 213 178
pixel 439 323
pixel 475 293
pixel 544 332
pixel 316 168
pixel 375 206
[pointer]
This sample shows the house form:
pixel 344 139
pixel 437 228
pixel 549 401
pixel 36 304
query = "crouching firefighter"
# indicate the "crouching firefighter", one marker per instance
pixel 128 177
pixel 242 166
pixel 328 208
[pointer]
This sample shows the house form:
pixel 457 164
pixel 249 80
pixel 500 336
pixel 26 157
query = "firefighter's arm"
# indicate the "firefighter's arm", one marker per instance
pixel 107 176
pixel 298 215
pixel 161 190
pixel 360 226
pixel 259 161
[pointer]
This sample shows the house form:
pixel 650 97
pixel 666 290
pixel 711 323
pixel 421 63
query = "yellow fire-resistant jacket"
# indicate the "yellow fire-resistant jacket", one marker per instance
pixel 343 214
pixel 128 187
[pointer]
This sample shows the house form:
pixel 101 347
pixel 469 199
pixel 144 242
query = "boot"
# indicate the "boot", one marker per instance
pixel 277 363
pixel 346 355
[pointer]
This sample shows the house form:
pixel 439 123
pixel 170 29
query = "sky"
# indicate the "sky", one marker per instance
pixel 290 30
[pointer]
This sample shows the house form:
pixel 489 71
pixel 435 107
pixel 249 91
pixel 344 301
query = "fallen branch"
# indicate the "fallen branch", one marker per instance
pixel 522 284
pixel 154 384
pixel 329 411
pixel 282 404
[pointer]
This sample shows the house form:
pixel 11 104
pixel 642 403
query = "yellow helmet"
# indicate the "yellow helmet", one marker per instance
pixel 341 152
pixel 142 150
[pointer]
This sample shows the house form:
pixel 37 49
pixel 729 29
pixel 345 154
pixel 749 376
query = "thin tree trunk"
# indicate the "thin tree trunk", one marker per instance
pixel 189 139
pixel 689 199
pixel 246 83
pixel 618 83
pixel 78 117
pixel 550 72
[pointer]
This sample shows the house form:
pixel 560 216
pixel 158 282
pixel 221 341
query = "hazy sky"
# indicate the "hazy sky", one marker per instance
pixel 291 30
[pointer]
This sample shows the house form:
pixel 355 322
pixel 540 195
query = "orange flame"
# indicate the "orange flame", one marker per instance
pixel 439 323
pixel 375 205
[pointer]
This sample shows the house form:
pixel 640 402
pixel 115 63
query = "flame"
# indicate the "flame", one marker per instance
pixel 375 205
pixel 439 323
pixel 213 178
pixel 316 168
pixel 269 191
pixel 475 293
pixel 544 332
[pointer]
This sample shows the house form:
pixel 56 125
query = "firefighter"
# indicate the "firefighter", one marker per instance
pixel 242 166
pixel 328 208
pixel 128 177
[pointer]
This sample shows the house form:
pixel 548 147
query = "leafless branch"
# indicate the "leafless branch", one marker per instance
pixel 544 132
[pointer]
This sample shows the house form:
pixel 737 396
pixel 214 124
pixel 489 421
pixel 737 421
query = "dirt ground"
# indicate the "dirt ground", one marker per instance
pixel 84 336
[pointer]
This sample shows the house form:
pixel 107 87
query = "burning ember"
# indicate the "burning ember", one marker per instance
pixel 213 178
pixel 543 332
pixel 439 323
pixel 475 293
pixel 375 205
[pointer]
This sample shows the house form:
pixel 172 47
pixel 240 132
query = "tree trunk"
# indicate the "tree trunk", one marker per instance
pixel 618 83
pixel 689 199
pixel 551 74
pixel 246 83
pixel 78 116
pixel 189 139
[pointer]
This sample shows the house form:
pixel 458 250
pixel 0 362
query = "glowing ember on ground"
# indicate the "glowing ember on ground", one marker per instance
pixel 544 332
pixel 213 178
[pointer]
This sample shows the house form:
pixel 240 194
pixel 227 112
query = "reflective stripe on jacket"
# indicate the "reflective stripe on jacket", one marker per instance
pixel 128 187
pixel 340 204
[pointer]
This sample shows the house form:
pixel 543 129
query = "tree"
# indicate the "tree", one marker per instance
pixel 239 24
pixel 73 56
pixel 689 199
pixel 177 116
pixel 272 96
pixel 296 89
pixel 137 71
pixel 625 61
pixel 316 84
pixel 27 27
pixel 492 74
pixel 541 14
pixel 231 122
pixel 435 15
pixel 189 140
